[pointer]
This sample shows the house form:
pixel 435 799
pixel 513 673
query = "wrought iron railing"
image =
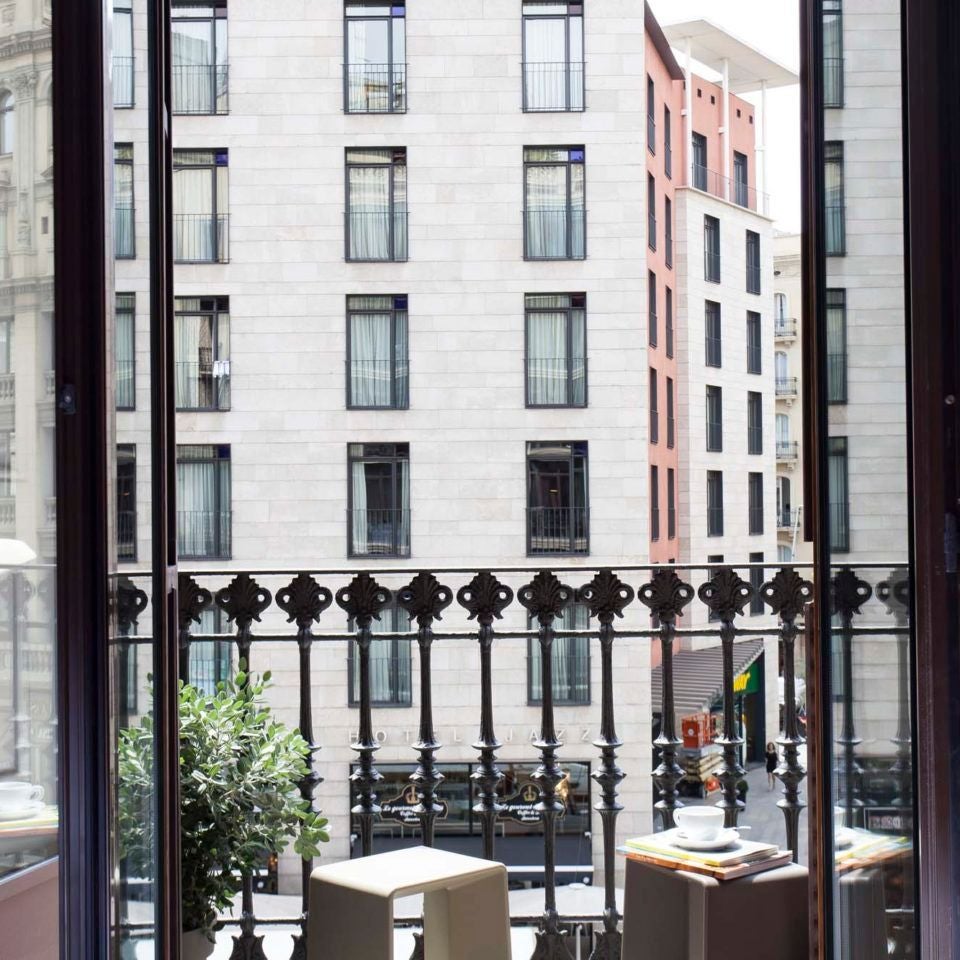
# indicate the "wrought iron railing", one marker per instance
pixel 375 88
pixel 379 532
pixel 8 387
pixel 728 188
pixel 553 86
pixel 378 384
pixel 204 534
pixel 787 386
pixel 753 278
pixel 126 535
pixel 201 88
pixel 377 235
pixel 787 519
pixel 556 381
pixel 785 328
pixel 558 530
pixel 833 81
pixel 711 266
pixel 123 82
pixel 124 245
pixel 836 236
pixel 554 233
pixel 201 238
pixel 788 449
pixel 202 386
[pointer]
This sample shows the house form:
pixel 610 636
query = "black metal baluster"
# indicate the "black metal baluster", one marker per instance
pixel 485 598
pixel 243 600
pixel 726 593
pixel 192 600
pixel 788 594
pixel 130 601
pixel 848 593
pixel 606 596
pixel 303 600
pixel 545 597
pixel 362 600
pixel 666 595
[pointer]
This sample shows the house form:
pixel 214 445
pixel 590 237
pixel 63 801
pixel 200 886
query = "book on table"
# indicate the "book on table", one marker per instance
pixel 739 852
pixel 781 859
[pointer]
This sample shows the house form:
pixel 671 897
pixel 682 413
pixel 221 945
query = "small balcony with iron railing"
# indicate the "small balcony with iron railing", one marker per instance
pixel 376 236
pixel 555 531
pixel 553 86
pixel 204 534
pixel 556 381
pixel 785 328
pixel 729 189
pixel 375 88
pixel 201 238
pixel 201 89
pixel 787 387
pixel 8 388
pixel 788 451
pixel 379 532
pixel 833 85
pixel 787 520
pixel 123 89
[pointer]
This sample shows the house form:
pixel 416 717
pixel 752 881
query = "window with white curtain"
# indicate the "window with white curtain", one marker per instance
pixel 569 659
pixel 554 203
pixel 834 199
pixel 391 678
pixel 837 346
pixel 784 503
pixel 123 53
pixel 783 436
pixel 558 515
pixel 125 356
pixel 204 511
pixel 198 32
pixel 375 68
pixel 552 55
pixel 832 53
pixel 123 203
pixel 200 206
pixel 377 204
pixel 211 661
pixel 556 361
pixel 378 499
pixel 201 339
pixel 377 353
pixel 126 501
pixel 8 120
pixel 839 494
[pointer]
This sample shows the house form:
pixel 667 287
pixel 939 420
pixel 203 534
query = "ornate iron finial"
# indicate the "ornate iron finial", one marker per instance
pixel 894 593
pixel 485 598
pixel 303 600
pixel 131 601
pixel 243 600
pixel 726 593
pixel 192 600
pixel 425 598
pixel 666 595
pixel 606 596
pixel 848 593
pixel 363 599
pixel 545 597
pixel 787 594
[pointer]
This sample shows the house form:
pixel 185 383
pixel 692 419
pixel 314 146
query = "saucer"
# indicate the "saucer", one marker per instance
pixel 725 838
pixel 25 812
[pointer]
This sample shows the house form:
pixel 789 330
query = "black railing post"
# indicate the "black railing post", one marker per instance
pixel 787 594
pixel 726 594
pixel 666 595
pixel 485 598
pixel 362 600
pixel 545 597
pixel 243 600
pixel 192 600
pixel 303 600
pixel 606 596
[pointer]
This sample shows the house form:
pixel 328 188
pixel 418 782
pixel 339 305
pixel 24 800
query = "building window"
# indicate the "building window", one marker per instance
pixel 375 57
pixel 558 516
pixel 123 216
pixel 837 346
pixel 204 518
pixel 755 491
pixel 211 661
pixel 651 212
pixel 201 338
pixel 6 346
pixel 377 353
pixel 832 53
pixel 779 310
pixel 714 419
pixel 556 359
pixel 699 161
pixel 753 262
pixel 754 343
pixel 784 554
pixel 786 385
pixel 554 219
pixel 785 449
pixel 713 333
pixel 756 581
pixel 715 561
pixel 126 501
pixel 669 321
pixel 838 491
pixel 654 411
pixel 377 204
pixel 122 54
pixel 200 218
pixel 391 674
pixel 785 518
pixel 654 503
pixel 834 195
pixel 8 123
pixel 667 144
pixel 741 179
pixel 668 232
pixel 124 360
pixel 552 55
pixel 754 423
pixel 569 660
pixel 714 503
pixel 671 422
pixel 652 307
pixel 198 30
pixel 711 249
pixel 651 116
pixel 7 439
pixel 379 499
pixel 671 504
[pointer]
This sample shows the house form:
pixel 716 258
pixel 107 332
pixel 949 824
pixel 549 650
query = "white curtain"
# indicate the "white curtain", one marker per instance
pixel 547 358
pixel 545 58
pixel 369 213
pixel 782 367
pixel 547 211
pixel 196 512
pixel 783 428
pixel 187 343
pixel 125 358
pixel 358 519
pixel 193 206
pixel 193 70
pixel 403 538
pixel 569 659
pixel 371 367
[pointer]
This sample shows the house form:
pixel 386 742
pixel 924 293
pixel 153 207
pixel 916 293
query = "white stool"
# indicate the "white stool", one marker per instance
pixel 465 906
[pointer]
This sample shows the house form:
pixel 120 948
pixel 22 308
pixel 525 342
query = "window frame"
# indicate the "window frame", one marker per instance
pixel 392 64
pixel 399 549
pixel 714 406
pixel 218 314
pixel 699 171
pixel 713 334
pixel 754 423
pixel 654 404
pixel 569 63
pixel 121 310
pixel 222 551
pixel 755 511
pixel 577 450
pixel 667 143
pixel 668 232
pixel 652 322
pixel 401 697
pixel 567 165
pixel 572 360
pixel 654 502
pixel 220 222
pixel 756 577
pixel 651 211
pixel 754 342
pixel 671 504
pixel 711 249
pixel 671 415
pixel 715 503
pixel 123 9
pixel 397 402
pixel 741 185
pixel 219 105
pixel 836 374
pixel 838 452
pixel 129 253
pixel 395 162
pixel 580 650
pixel 834 155
pixel 127 452
pixel 668 321
pixel 829 12
pixel 754 262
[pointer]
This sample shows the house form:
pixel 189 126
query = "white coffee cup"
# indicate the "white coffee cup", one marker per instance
pixel 699 823
pixel 15 794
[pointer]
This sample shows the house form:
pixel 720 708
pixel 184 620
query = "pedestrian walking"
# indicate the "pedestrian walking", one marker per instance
pixel 772 760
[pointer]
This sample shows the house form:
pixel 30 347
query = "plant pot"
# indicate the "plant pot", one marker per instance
pixel 194 945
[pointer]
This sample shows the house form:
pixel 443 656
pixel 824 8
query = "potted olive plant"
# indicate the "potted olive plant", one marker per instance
pixel 240 773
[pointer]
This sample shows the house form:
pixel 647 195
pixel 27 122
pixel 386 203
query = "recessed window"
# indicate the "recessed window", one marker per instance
pixel 391 675
pixel 755 503
pixel 699 161
pixel 713 334
pixel 569 660
pixel 126 501
pixel 714 503
pixel 552 56
pixel 837 346
pixel 671 504
pixel 654 408
pixel 668 232
pixel 754 343
pixel 834 198
pixel 204 511
pixel 200 206
pixel 651 212
pixel 652 307
pixel 125 356
pixel 558 516
pixel 198 32
pixel 839 494
pixel 756 581
pixel 833 53
pixel 711 249
pixel 201 337
pixel 375 58
pixel 654 503
pixel 556 360
pixel 714 419
pixel 753 262
pixel 754 423
pixel 123 207
pixel 741 178
pixel 123 60
pixel 668 321
pixel 554 203
pixel 211 661
pixel 667 144
pixel 377 204
pixel 651 116
pixel 671 421
pixel 377 353
pixel 379 499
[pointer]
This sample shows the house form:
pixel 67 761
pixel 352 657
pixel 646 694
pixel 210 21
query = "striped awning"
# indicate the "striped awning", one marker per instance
pixel 698 676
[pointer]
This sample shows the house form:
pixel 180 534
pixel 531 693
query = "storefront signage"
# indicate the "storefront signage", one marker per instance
pixel 748 681
pixel 403 808
pixel 521 807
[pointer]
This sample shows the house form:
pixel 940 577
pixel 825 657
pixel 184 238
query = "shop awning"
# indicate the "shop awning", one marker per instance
pixel 698 676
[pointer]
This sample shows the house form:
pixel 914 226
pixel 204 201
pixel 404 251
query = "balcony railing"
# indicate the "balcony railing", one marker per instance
pixel 727 188
pixel 204 534
pixel 552 87
pixel 554 233
pixel 836 236
pixel 378 384
pixel 201 88
pixel 8 387
pixel 375 88
pixel 202 386
pixel 787 386
pixel 124 246
pixel 833 81
pixel 785 328
pixel 556 381
pixel 558 530
pixel 787 519
pixel 711 266
pixel 125 384
pixel 379 533
pixel 788 449
pixel 123 82
pixel 126 535
pixel 376 235
pixel 753 278
pixel 571 676
pixel 201 238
